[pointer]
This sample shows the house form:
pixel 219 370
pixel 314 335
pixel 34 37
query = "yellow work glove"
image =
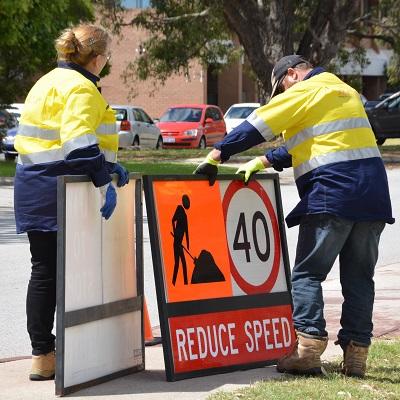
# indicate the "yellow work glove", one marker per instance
pixel 251 168
pixel 208 167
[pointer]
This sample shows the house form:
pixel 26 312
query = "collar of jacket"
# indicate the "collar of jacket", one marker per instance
pixel 313 72
pixel 70 65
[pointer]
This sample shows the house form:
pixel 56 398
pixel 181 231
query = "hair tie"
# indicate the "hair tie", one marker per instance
pixel 75 42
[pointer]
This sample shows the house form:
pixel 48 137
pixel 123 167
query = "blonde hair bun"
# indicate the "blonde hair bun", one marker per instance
pixel 67 43
pixel 81 43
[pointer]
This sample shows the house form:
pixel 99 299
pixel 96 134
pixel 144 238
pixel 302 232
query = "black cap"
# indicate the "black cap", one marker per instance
pixel 281 67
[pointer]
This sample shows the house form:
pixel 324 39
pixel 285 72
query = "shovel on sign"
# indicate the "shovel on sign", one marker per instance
pixel 205 268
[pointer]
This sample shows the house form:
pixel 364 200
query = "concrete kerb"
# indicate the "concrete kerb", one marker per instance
pixel 6 181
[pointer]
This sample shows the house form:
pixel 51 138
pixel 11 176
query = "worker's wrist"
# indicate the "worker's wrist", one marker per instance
pixel 259 164
pixel 211 160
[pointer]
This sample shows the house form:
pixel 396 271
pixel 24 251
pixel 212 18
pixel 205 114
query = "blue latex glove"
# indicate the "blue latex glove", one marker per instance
pixel 123 175
pixel 110 200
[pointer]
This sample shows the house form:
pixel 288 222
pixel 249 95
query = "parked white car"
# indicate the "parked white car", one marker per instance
pixel 237 113
pixel 136 128
pixel 16 110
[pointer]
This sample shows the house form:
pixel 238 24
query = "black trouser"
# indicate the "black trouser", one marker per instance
pixel 41 296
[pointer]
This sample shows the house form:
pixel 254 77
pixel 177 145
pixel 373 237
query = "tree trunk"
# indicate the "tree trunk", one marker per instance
pixel 265 29
pixel 327 29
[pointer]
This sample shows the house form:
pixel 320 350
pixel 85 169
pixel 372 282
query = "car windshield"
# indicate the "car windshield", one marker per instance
pixel 387 101
pixel 182 114
pixel 120 114
pixel 240 112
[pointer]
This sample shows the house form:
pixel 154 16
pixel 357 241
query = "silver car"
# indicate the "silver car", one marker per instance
pixel 136 128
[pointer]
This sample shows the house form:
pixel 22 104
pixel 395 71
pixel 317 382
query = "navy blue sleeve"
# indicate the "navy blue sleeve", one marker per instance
pixel 110 167
pixel 90 161
pixel 241 138
pixel 279 158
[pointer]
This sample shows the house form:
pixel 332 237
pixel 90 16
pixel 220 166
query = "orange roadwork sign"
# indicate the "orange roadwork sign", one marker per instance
pixel 221 272
pixel 202 236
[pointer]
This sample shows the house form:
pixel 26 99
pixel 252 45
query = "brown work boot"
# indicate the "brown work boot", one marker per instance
pixel 355 359
pixel 305 357
pixel 43 367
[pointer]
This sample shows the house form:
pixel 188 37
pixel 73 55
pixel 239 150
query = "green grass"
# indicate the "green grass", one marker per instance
pixel 382 381
pixel 184 154
pixel 148 166
pixel 162 168
pixel 7 168
pixel 389 148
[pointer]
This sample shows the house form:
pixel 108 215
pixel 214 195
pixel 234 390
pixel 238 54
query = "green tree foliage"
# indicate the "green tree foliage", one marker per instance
pixel 383 24
pixel 28 29
pixel 183 30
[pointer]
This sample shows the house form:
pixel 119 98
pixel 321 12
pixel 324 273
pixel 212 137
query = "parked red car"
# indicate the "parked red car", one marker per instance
pixel 192 125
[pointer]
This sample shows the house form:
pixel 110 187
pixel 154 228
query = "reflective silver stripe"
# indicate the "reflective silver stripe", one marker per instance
pixel 110 156
pixel 41 157
pixel 106 129
pixel 78 142
pixel 39 133
pixel 328 127
pixel 261 126
pixel 60 154
pixel 338 156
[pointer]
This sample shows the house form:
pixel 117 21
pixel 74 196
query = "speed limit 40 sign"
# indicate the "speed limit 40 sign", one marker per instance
pixel 221 271
pixel 253 236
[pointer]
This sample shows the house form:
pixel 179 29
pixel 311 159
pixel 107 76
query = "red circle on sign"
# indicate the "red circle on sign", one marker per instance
pixel 269 283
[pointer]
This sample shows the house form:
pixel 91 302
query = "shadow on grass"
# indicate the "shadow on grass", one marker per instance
pixel 384 374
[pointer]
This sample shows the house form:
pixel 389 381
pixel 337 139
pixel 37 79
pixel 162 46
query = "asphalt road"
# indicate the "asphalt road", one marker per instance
pixel 15 262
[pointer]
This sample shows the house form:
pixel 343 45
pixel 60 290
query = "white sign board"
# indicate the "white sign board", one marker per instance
pixel 99 285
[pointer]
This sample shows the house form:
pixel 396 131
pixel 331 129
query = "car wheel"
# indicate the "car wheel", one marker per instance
pixel 159 143
pixel 9 157
pixel 380 141
pixel 136 141
pixel 202 143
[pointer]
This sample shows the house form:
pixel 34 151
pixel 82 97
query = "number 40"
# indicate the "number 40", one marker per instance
pixel 245 244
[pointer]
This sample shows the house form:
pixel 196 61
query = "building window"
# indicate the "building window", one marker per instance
pixel 136 3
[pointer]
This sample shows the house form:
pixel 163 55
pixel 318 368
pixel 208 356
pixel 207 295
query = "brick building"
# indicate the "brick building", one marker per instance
pixel 231 86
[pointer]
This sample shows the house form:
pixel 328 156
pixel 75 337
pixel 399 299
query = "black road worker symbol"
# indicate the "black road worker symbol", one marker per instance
pixel 205 269
pixel 180 230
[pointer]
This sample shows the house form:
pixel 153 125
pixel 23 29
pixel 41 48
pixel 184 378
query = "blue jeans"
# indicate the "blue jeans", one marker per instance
pixel 322 238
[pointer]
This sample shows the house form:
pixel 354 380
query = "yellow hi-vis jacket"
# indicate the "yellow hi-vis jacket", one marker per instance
pixel 325 123
pixel 63 112
pixel 66 128
pixel 330 144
